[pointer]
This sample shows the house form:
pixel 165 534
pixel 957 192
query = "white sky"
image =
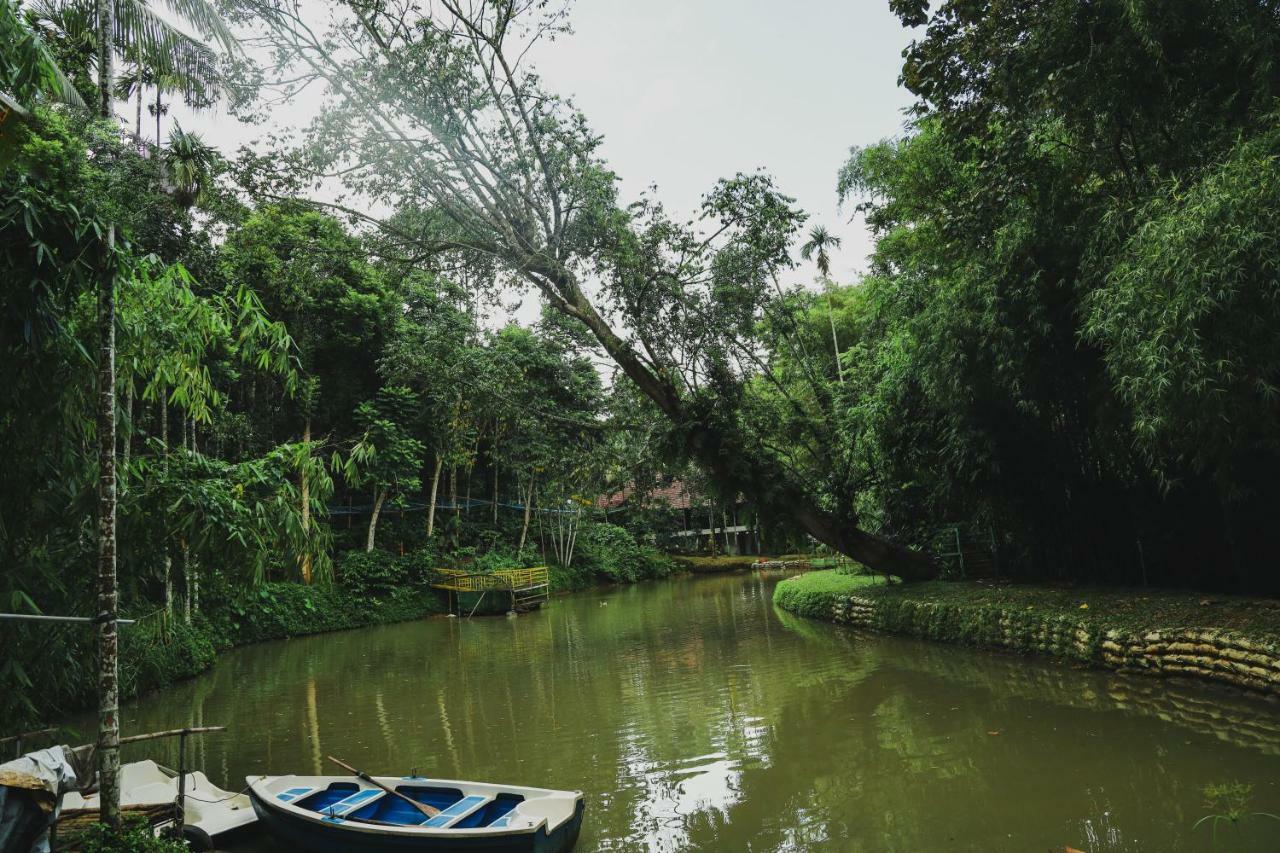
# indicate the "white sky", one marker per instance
pixel 688 91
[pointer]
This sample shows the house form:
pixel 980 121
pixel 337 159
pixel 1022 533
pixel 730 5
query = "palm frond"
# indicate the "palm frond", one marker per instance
pixel 190 163
pixel 204 16
pixel 189 64
pixel 61 86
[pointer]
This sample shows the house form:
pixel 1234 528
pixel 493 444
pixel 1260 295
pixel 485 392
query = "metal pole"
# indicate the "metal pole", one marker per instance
pixel 180 807
pixel 31 617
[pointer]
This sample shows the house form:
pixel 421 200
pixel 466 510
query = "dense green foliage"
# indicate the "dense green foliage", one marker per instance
pixel 1064 349
pixel 1066 343
pixel 273 368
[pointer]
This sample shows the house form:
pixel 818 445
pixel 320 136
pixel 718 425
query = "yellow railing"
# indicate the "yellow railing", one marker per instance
pixel 460 580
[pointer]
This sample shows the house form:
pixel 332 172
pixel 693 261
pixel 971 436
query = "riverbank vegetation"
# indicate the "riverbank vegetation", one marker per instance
pixel 1228 639
pixel 1062 365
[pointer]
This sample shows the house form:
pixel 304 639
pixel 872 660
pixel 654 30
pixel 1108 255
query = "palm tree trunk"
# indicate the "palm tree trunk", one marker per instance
pixel 108 595
pixel 187 569
pixel 137 125
pixel 495 487
pixel 159 92
pixel 168 557
pixel 435 490
pixel 126 440
pixel 186 583
pixel 835 342
pixel 305 488
pixel 379 496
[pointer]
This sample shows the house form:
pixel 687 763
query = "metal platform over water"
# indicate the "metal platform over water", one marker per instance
pixel 522 589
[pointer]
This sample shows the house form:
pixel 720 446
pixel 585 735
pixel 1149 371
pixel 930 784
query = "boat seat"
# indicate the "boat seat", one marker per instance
pixel 457 812
pixel 293 794
pixel 344 807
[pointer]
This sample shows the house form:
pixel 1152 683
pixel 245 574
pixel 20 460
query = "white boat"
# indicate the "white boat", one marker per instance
pixel 334 814
pixel 210 814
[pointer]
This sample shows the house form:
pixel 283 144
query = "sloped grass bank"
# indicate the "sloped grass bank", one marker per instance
pixel 153 655
pixel 1224 639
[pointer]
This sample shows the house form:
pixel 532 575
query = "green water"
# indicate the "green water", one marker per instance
pixel 695 716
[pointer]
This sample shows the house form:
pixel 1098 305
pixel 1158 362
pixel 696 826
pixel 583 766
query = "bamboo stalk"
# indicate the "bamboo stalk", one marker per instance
pixel 196 730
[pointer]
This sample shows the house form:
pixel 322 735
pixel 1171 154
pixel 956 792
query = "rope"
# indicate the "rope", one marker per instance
pixel 366 509
pixel 243 790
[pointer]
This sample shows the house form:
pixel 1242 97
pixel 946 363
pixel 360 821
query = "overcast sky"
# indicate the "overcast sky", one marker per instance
pixel 688 91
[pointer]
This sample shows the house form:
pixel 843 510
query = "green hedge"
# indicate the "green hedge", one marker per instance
pixel 813 593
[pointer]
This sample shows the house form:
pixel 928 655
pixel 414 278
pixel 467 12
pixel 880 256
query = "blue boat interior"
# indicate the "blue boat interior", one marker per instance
pixel 348 801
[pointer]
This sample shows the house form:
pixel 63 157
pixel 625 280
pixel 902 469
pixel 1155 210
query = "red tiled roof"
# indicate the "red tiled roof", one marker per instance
pixel 675 495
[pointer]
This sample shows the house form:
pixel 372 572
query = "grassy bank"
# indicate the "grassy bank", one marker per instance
pixel 741 562
pixel 368 589
pixel 154 654
pixel 1226 639
pixel 711 565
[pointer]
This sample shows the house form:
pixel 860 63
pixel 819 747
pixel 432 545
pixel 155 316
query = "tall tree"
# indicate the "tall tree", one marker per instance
pixel 108 594
pixel 315 278
pixel 126 25
pixel 820 241
pixel 512 173
pixel 387 456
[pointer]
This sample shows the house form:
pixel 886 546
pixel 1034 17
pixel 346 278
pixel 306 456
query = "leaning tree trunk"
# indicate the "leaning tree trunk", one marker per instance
pixel 305 489
pixel 435 490
pixel 751 472
pixel 379 496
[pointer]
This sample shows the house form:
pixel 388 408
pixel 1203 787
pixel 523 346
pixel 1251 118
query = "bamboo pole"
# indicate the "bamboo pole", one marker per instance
pixel 190 730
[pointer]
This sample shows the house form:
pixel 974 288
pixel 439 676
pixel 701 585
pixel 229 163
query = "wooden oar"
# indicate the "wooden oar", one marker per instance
pixel 360 774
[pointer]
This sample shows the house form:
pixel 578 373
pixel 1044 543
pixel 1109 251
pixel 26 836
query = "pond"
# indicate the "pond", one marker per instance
pixel 696 716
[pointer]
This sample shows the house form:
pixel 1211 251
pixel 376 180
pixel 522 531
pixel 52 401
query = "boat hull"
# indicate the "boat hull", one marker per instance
pixel 304 833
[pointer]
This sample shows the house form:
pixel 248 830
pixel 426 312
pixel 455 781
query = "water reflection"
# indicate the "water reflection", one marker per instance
pixel 696 717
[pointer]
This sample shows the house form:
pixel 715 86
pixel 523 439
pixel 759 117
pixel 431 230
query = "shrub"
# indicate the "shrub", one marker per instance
pixel 611 552
pixel 151 655
pixel 492 561
pixel 370 572
pixel 134 836
pixel 575 577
